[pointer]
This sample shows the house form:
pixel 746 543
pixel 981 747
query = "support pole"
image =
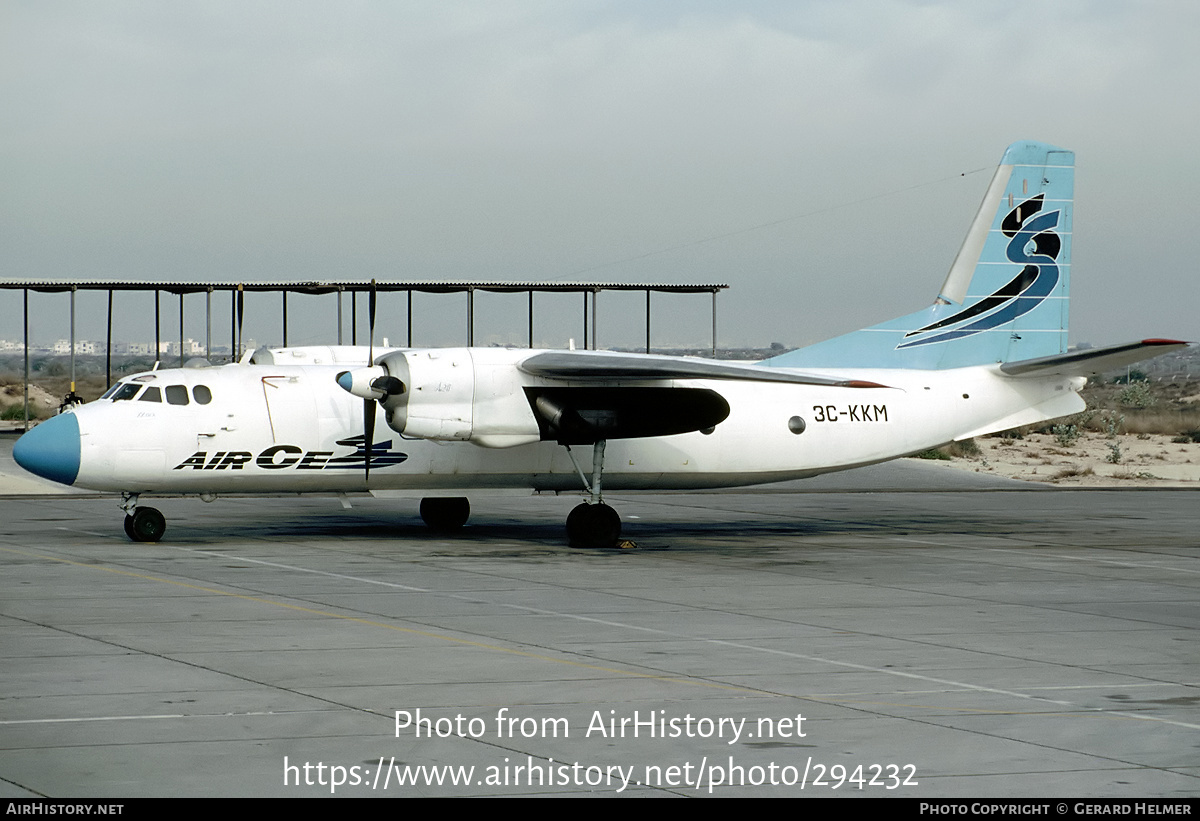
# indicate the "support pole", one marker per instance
pixel 647 320
pixel 531 318
pixel 181 352
pixel 233 326
pixel 208 323
pixel 585 322
pixel 595 302
pixel 339 304
pixel 284 317
pixel 108 346
pixel 354 317
pixel 71 395
pixel 26 290
pixel 410 317
pixel 470 317
pixel 157 328
pixel 714 318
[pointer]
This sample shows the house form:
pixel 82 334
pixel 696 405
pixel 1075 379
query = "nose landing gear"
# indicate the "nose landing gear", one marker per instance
pixel 142 524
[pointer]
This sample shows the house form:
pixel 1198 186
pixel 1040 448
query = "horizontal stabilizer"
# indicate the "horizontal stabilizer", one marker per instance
pixel 1092 361
pixel 599 366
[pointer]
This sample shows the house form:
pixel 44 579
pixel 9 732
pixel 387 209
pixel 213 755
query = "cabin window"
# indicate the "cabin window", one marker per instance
pixel 177 395
pixel 151 394
pixel 127 390
pixel 202 394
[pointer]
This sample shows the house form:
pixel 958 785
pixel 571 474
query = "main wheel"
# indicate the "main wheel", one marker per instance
pixel 445 514
pixel 145 524
pixel 593 526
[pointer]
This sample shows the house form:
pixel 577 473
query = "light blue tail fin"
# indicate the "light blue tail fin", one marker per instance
pixel 1005 297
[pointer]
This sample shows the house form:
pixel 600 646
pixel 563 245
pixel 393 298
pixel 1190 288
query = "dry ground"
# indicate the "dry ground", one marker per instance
pixel 1145 460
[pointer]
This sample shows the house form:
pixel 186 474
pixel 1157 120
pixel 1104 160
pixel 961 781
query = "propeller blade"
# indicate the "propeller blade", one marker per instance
pixel 368 434
pixel 240 312
pixel 369 404
pixel 371 325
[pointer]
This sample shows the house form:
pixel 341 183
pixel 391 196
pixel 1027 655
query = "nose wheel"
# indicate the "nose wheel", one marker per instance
pixel 142 524
pixel 145 524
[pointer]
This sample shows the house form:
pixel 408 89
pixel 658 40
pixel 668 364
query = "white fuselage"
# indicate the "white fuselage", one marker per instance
pixel 290 427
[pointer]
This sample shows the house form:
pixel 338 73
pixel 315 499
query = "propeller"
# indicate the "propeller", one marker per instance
pixel 373 384
pixel 369 404
pixel 240 313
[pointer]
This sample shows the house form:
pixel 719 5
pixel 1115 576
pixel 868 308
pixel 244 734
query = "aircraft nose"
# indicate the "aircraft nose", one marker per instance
pixel 51 450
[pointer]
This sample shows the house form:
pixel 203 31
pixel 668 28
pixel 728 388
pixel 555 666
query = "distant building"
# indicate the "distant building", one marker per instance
pixel 83 347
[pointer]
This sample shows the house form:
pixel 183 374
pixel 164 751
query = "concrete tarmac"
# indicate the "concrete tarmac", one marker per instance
pixel 982 640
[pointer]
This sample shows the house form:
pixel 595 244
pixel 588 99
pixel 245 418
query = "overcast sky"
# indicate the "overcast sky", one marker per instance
pixel 823 158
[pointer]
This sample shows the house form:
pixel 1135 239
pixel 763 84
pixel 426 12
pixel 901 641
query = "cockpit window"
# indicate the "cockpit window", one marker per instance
pixel 111 391
pixel 127 390
pixel 151 394
pixel 202 394
pixel 177 395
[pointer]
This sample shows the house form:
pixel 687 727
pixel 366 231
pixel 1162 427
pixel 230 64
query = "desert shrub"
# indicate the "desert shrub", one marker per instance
pixel 1112 423
pixel 966 449
pixel 1066 434
pixel 1136 395
pixel 1067 473
pixel 13 412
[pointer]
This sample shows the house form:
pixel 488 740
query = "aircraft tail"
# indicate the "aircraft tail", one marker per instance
pixel 1005 297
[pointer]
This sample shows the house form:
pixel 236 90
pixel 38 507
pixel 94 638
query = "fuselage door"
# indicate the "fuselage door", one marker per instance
pixel 291 411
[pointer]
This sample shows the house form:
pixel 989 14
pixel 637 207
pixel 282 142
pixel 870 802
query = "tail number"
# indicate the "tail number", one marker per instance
pixel 850 413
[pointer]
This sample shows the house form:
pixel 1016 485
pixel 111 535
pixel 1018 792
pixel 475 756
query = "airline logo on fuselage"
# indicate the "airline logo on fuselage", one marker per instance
pixel 282 457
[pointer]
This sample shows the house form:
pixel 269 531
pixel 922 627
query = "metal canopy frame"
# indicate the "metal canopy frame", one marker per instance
pixel 316 287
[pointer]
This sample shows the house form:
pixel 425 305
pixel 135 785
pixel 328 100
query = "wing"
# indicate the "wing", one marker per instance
pixel 601 366
pixel 1092 361
pixel 606 407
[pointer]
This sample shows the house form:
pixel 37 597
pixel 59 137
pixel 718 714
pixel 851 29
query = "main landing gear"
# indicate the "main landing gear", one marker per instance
pixel 142 524
pixel 593 524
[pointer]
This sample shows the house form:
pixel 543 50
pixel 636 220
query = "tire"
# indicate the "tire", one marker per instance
pixel 593 526
pixel 445 514
pixel 146 524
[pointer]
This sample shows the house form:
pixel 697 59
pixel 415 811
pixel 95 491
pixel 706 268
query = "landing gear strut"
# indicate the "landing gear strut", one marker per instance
pixel 142 524
pixel 593 524
pixel 445 513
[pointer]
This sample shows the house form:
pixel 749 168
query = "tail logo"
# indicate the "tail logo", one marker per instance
pixel 1032 244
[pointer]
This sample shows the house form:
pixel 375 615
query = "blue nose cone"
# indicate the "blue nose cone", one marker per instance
pixel 51 450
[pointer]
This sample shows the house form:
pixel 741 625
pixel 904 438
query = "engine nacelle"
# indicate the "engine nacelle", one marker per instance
pixel 449 395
